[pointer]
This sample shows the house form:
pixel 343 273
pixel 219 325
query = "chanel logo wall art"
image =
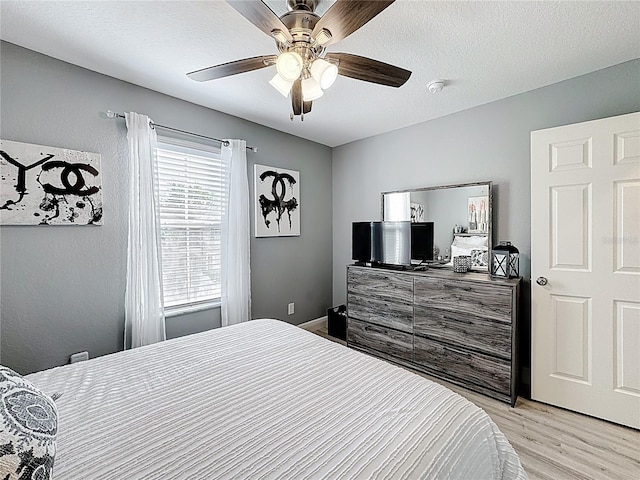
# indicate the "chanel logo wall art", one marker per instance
pixel 277 201
pixel 49 186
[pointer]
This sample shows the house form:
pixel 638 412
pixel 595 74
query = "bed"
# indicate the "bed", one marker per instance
pixel 264 400
pixel 475 246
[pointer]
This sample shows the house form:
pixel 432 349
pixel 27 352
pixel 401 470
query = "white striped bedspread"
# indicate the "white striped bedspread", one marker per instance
pixel 265 400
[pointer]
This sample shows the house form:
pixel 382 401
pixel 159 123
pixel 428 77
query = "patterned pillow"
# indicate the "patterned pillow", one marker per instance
pixel 479 258
pixel 28 427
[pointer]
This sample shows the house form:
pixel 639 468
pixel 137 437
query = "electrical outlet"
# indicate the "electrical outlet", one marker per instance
pixel 79 357
pixel 291 308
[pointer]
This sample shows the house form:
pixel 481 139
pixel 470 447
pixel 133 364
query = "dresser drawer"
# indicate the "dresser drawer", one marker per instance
pixel 381 312
pixel 492 299
pixel 464 329
pixel 381 339
pixel 380 284
pixel 467 366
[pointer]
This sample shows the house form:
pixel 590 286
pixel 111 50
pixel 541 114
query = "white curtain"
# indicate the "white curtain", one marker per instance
pixel 236 274
pixel 143 310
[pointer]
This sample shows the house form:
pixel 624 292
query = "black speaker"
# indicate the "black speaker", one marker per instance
pixel 362 242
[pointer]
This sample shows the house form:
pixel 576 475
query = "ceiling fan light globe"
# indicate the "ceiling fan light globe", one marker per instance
pixel 289 66
pixel 324 73
pixel 280 84
pixel 311 90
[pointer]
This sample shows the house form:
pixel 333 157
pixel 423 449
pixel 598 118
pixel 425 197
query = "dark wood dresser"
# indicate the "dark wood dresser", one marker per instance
pixel 458 327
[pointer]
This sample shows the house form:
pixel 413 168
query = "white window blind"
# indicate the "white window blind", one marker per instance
pixel 191 194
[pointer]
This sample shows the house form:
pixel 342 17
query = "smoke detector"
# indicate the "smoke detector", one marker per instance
pixel 434 86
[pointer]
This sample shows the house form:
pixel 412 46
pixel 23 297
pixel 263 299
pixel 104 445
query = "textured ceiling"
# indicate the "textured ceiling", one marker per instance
pixel 484 50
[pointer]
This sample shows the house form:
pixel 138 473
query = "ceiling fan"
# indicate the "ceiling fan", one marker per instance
pixel 304 68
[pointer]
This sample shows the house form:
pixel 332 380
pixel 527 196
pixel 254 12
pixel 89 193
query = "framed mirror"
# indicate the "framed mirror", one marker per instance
pixel 461 215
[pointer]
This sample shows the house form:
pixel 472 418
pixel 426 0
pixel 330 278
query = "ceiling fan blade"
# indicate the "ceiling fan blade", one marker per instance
pixel 232 68
pixel 306 107
pixel 369 70
pixel 346 16
pixel 258 13
pixel 296 97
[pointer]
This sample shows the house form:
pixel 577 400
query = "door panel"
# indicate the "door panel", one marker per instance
pixel 572 339
pixel 570 227
pixel 575 154
pixel 627 328
pixel 627 209
pixel 627 147
pixel 585 240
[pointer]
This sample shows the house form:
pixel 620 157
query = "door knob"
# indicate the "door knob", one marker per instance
pixel 542 281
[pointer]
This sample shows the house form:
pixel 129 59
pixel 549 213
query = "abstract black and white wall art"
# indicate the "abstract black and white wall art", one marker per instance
pixel 277 194
pixel 49 186
pixel 417 212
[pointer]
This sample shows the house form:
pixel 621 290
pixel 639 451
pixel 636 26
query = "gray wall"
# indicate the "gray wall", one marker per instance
pixel 63 287
pixel 486 143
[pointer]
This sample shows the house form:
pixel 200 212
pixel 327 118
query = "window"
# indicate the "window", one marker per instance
pixel 191 196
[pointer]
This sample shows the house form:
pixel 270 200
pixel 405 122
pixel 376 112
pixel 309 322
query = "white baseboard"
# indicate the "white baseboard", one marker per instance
pixel 314 324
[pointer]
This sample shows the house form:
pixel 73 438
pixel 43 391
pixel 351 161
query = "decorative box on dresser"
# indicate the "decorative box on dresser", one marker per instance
pixel 458 327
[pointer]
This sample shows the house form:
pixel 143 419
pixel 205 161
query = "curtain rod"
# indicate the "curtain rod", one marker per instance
pixel 111 114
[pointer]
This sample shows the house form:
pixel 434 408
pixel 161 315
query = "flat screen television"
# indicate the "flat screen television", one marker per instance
pixel 381 242
pixel 422 241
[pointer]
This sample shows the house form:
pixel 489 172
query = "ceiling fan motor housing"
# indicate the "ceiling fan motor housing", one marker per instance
pixel 300 24
pixel 308 5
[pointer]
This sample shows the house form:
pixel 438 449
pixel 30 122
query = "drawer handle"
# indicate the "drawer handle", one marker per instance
pixel 460 320
pixel 452 350
pixel 369 328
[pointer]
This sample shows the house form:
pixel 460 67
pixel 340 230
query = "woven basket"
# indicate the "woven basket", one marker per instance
pixel 461 263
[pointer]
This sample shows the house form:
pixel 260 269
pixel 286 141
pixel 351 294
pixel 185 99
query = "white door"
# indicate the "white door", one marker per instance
pixel 585 244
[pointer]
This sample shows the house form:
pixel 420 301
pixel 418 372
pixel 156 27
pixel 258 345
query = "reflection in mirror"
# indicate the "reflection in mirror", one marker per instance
pixel 461 215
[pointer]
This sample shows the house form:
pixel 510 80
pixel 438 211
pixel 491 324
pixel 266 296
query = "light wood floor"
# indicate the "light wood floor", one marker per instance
pixel 556 444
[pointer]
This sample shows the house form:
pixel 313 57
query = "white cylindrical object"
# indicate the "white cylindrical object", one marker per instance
pixel 289 66
pixel 325 73
pixel 281 84
pixel 311 89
